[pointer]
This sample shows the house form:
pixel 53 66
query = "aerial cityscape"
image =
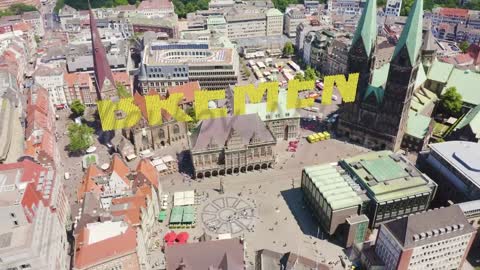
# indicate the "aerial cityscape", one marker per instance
pixel 239 134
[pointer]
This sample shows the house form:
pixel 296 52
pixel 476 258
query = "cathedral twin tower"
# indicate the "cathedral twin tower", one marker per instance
pixel 378 117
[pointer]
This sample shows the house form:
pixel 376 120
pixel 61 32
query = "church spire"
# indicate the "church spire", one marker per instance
pixel 367 26
pixel 106 88
pixel 411 36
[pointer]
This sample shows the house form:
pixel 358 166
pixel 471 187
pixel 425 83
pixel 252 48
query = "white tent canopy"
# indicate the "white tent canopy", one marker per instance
pixel 184 198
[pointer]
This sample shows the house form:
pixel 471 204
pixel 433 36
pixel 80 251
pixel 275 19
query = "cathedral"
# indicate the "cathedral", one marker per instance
pixel 378 117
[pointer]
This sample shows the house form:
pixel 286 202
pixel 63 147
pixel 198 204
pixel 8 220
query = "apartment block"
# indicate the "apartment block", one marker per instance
pixel 346 7
pixel 33 217
pixel 436 239
pixel 292 19
pixel 393 7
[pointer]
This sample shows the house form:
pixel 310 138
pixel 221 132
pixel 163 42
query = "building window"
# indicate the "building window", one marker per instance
pixel 176 129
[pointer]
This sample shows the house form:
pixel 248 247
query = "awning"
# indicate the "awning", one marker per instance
pixel 162 216
pixel 131 156
pixel 170 237
pixel 188 218
pixel 182 237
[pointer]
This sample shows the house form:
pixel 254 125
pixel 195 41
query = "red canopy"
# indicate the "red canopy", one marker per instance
pixel 170 237
pixel 182 237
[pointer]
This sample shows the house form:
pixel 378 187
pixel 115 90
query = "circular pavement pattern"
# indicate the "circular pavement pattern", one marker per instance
pixel 229 214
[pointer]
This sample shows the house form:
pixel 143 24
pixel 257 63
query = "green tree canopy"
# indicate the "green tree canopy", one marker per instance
pixel 464 46
pixel 282 4
pixel 299 76
pixel 288 49
pixel 77 108
pixel 80 137
pixel 17 9
pixel 451 101
pixel 310 74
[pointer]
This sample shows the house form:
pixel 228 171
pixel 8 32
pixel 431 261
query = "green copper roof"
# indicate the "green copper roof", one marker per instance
pixel 440 71
pixel 367 26
pixel 379 79
pixel 421 77
pixel 411 36
pixel 385 179
pixel 417 125
pixel 472 118
pixel 467 83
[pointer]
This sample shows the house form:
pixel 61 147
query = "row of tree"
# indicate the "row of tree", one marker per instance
pixel 83 4
pixel 17 9
pixel 183 7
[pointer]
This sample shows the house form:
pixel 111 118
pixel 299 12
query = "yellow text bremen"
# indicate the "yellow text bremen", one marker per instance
pixel 125 114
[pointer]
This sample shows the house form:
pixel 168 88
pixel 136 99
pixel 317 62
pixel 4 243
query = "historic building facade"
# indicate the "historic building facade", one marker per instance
pixel 378 117
pixel 146 137
pixel 231 145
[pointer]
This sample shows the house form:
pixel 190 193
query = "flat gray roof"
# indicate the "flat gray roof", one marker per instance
pixel 463 156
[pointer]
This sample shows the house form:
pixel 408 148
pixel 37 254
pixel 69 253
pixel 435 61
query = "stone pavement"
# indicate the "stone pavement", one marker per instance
pixel 282 221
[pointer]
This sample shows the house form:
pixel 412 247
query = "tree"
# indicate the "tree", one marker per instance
pixel 122 91
pixel 58 5
pixel 80 137
pixel 464 46
pixel 282 4
pixel 193 124
pixel 77 108
pixel 310 74
pixel 37 40
pixel 17 9
pixel 288 49
pixel 451 101
pixel 299 76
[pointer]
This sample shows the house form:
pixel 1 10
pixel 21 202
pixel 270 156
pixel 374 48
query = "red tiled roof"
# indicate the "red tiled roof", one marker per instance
pixel 87 184
pixel 154 4
pixel 474 51
pixel 147 172
pixel 36 120
pixel 117 165
pixel 463 59
pixel 21 26
pixel 121 77
pixel 81 79
pixel 30 174
pixel 133 210
pixel 454 12
pixel 186 89
pixel 108 249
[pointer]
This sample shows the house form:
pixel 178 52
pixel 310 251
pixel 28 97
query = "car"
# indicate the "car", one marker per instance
pixel 109 145
pixel 67 176
pixel 91 149
pixel 334 98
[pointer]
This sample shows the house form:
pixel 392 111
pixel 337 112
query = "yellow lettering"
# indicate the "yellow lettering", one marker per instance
pixel 346 88
pixel 202 98
pixel 155 106
pixel 123 114
pixel 255 95
pixel 295 86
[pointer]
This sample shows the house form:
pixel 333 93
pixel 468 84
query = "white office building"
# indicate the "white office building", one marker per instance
pixel 167 64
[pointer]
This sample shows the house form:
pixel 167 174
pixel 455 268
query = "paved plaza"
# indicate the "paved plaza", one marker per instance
pixel 278 219
pixel 228 215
